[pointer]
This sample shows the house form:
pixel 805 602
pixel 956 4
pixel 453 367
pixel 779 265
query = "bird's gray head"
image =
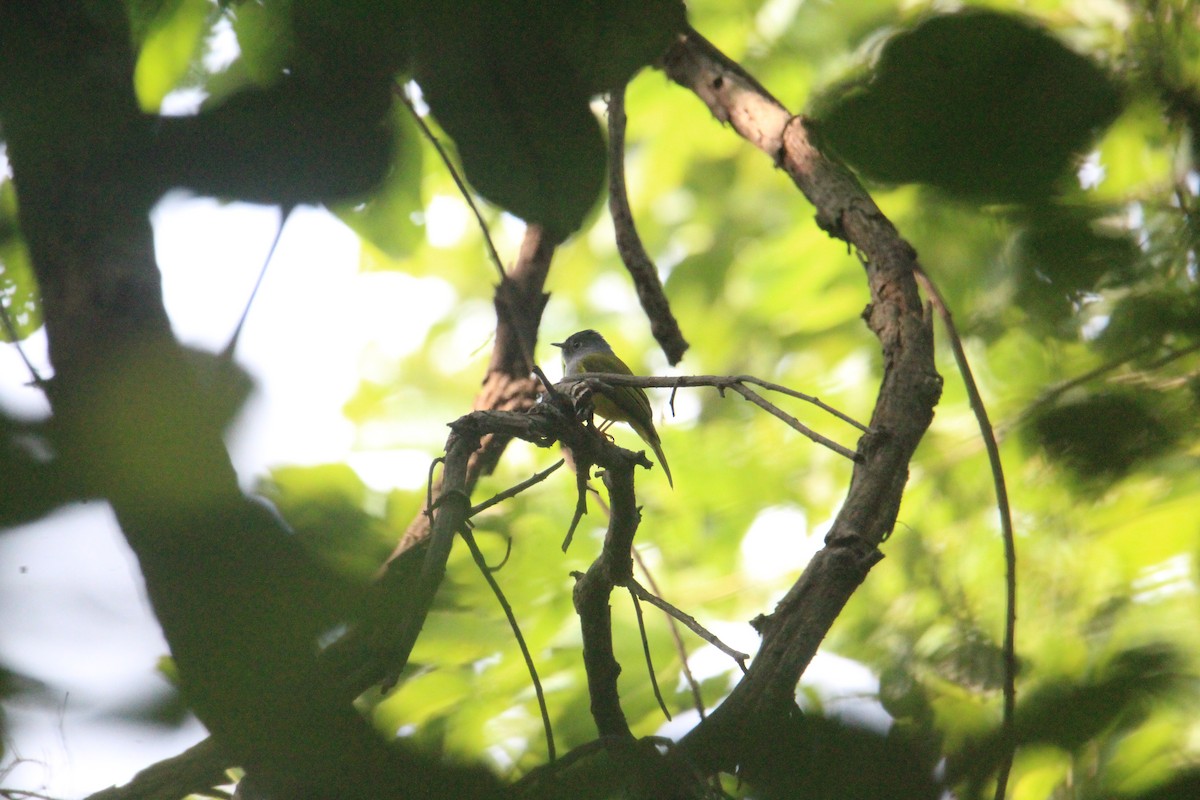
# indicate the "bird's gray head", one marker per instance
pixel 579 345
pixel 584 342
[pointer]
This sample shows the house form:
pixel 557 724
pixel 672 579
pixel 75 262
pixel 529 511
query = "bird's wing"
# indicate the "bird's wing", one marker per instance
pixel 630 399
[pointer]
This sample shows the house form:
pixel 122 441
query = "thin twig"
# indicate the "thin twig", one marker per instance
pixel 476 554
pixel 458 181
pixel 599 381
pixel 581 467
pixel 11 330
pixel 13 794
pixel 1006 529
pixel 719 382
pixel 1058 390
pixel 429 487
pixel 808 398
pixel 549 772
pixel 1174 355
pixel 542 379
pixel 581 486
pixel 641 621
pixel 507 553
pixel 506 383
pixel 227 352
pixel 792 422
pixel 693 684
pixel 515 490
pixel 640 591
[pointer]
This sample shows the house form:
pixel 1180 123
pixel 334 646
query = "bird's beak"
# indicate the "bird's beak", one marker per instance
pixel 558 344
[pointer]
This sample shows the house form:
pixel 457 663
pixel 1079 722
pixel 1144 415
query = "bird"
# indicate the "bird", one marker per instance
pixel 587 352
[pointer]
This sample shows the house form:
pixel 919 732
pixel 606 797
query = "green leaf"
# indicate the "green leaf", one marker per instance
pixel 1061 255
pixel 385 219
pixel 1102 436
pixel 172 39
pixel 264 34
pixel 351 39
pixel 298 141
pixel 1147 318
pixel 608 41
pixel 1069 714
pixel 18 286
pixel 324 506
pixel 516 108
pixel 980 104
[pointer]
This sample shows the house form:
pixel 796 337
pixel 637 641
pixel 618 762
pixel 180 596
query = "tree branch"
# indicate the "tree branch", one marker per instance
pixel 613 567
pixel 637 261
pixel 637 590
pixel 486 571
pixel 519 302
pixel 194 771
pixel 904 409
pixel 597 381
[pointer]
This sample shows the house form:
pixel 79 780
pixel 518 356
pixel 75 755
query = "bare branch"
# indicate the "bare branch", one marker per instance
pixel 513 491
pixel 581 489
pixel 693 684
pixel 720 382
pixel 1006 530
pixel 903 411
pixel 519 302
pixel 641 621
pixel 637 261
pixel 227 352
pixel 808 398
pixel 596 381
pixel 480 562
pixel 687 619
pixel 792 422
pixel 452 506
pixel 390 638
pixel 613 567
pixel 1058 390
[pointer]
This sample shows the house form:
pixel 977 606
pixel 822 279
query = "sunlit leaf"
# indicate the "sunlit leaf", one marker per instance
pixel 18 285
pixel 170 42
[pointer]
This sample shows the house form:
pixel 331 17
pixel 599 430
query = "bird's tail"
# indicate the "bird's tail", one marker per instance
pixel 650 437
pixel 662 459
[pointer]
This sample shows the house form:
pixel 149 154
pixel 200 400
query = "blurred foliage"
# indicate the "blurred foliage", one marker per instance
pixel 1011 106
pixel 169 34
pixel 1041 157
pixel 18 288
